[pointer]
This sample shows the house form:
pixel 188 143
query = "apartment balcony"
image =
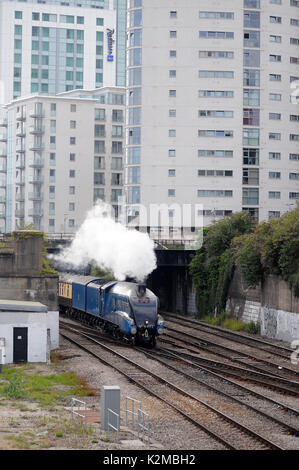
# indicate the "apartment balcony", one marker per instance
pixel 35 197
pixel 36 163
pixel 36 179
pixel 2 199
pixel 36 130
pixel 2 184
pixel 20 213
pixel 3 153
pixel 20 149
pixel 20 165
pixel 20 197
pixel 20 182
pixel 37 114
pixel 3 122
pixel 21 116
pixel 21 133
pixel 35 213
pixel 3 138
pixel 3 167
pixel 2 214
pixel 36 147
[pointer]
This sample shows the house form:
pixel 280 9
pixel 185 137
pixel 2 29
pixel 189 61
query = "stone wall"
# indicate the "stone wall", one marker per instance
pixel 21 275
pixel 21 253
pixel 272 304
pixel 41 289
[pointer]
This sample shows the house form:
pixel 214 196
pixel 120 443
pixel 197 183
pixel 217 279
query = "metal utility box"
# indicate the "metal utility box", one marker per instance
pixel 110 399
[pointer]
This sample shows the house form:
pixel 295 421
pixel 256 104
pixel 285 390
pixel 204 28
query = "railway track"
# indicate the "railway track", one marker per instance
pixel 243 371
pixel 230 389
pixel 219 425
pixel 236 336
pixel 247 359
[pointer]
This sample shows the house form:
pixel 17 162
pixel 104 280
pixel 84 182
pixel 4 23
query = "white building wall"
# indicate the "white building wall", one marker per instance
pixel 7 45
pixel 155 104
pixel 36 323
pixel 55 185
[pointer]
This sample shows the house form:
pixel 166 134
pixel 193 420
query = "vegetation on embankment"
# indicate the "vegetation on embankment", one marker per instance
pixel 258 249
pixel 20 382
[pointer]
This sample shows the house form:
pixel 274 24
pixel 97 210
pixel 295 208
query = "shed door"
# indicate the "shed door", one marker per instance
pixel 20 344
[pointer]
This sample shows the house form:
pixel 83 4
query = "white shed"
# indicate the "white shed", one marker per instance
pixel 27 332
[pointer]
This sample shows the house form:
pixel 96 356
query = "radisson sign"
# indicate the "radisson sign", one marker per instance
pixel 110 42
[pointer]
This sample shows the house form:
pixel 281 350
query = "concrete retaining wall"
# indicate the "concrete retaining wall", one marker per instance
pixel 35 288
pixel 273 305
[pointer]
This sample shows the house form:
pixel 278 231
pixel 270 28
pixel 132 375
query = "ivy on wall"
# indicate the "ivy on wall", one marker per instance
pixel 259 249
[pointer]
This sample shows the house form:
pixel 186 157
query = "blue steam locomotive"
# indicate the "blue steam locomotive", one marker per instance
pixel 125 309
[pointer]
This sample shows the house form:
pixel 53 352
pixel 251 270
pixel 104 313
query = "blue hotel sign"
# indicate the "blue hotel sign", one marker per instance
pixel 110 41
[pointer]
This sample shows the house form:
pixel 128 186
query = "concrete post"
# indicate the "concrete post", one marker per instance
pixel 110 399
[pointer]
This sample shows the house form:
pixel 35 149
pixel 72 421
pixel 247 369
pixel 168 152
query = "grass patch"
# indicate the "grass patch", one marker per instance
pixel 232 323
pixel 45 389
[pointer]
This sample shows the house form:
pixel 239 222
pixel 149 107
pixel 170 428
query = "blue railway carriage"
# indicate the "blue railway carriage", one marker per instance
pixel 125 309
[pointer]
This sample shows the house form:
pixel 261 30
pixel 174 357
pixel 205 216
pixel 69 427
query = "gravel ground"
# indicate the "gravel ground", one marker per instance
pixel 168 429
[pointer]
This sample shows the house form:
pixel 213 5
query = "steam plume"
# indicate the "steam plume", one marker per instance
pixel 111 246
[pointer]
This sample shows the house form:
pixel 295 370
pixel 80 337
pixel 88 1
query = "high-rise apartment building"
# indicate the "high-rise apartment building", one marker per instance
pixel 51 46
pixel 59 155
pixel 213 115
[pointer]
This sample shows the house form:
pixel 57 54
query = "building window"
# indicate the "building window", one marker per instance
pixel 250 196
pixel 73 108
pixel 274 136
pixel 99 130
pixel 117 147
pixel 100 115
pixel 171 153
pixel 250 156
pixel 274 214
pixel 274 175
pixel 52 158
pixel 71 190
pixel 275 96
pixel 72 157
pixel 274 194
pixel 171 192
pixel 72 174
pixel 251 176
pixel 274 155
pixel 275 116
pixel 275 58
pixel 273 77
pixel 275 19
pixel 117 115
pixel 171 172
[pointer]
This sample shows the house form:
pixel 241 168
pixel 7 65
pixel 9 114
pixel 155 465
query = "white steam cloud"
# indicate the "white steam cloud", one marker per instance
pixel 110 246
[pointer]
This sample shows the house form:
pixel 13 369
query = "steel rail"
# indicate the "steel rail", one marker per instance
pixel 269 444
pixel 237 336
pixel 155 356
pixel 243 372
pixel 206 344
